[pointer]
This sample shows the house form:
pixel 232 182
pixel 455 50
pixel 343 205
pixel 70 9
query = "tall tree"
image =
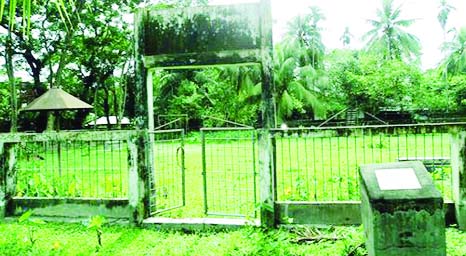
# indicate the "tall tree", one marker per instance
pixel 388 38
pixel 455 60
pixel 442 17
pixel 444 12
pixel 346 37
pixel 295 89
pixel 306 30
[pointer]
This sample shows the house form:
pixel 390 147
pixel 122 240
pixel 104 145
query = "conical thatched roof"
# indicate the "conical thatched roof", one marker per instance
pixel 56 99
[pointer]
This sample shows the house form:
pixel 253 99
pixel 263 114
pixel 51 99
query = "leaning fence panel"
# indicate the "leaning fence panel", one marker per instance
pixel 72 165
pixel 167 180
pixel 321 164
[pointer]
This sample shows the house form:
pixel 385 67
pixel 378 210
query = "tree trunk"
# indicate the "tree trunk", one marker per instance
pixel 12 82
pixel 107 107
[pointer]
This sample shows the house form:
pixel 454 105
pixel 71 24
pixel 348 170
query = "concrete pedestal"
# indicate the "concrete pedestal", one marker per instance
pixel 401 210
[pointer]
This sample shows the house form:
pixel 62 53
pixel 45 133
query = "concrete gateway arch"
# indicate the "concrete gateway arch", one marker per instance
pixel 205 36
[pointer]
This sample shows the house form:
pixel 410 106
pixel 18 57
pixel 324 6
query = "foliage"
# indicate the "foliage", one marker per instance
pixel 306 31
pixel 87 55
pixel 296 86
pixel 32 228
pixel 434 94
pixel 229 93
pixel 455 61
pixel 73 239
pixel 370 85
pixel 443 13
pixel 96 223
pixel 346 37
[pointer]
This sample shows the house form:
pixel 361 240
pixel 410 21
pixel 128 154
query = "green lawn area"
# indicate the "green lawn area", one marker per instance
pixel 77 239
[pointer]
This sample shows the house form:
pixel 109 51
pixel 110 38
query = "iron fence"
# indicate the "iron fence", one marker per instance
pixel 321 164
pixel 72 164
pixel 229 171
pixel 167 178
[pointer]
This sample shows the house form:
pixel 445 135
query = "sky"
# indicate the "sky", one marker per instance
pixel 355 13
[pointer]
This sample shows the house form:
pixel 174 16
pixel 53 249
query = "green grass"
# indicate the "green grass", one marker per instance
pixel 309 167
pixel 76 239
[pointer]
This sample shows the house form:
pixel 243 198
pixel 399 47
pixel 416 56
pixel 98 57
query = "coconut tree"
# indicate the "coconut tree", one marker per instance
pixel 295 85
pixel 388 37
pixel 346 37
pixel 442 17
pixel 455 60
pixel 443 14
pixel 305 29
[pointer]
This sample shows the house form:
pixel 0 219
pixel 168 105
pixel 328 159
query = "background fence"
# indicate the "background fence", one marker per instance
pixel 219 172
pixel 73 164
pixel 321 164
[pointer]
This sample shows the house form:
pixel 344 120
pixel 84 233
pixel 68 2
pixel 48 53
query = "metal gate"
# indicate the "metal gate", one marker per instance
pixel 229 170
pixel 167 176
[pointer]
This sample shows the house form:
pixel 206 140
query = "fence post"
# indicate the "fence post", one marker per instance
pixel 138 198
pixel 7 176
pixel 267 200
pixel 458 164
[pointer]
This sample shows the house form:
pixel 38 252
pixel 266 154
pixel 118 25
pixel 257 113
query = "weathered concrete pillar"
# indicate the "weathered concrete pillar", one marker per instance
pixel 137 187
pixel 401 210
pixel 458 164
pixel 267 200
pixel 7 176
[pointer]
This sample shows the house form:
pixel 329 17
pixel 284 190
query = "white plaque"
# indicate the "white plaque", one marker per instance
pixel 397 179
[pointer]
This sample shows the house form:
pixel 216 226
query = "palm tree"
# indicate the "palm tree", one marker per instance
pixel 388 37
pixel 346 37
pixel 443 14
pixel 305 29
pixel 442 18
pixel 455 61
pixel 295 87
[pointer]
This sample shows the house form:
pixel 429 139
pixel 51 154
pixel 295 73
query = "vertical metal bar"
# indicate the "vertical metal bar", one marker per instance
pixel 121 167
pixel 322 166
pixel 204 171
pixel 55 188
pixel 98 169
pixel 339 167
pixel 104 171
pixel 347 149
pixel 398 145
pixel 306 157
pixel 282 166
pixel 81 147
pixel 363 145
pixel 183 174
pixel 355 136
pixel 274 163
pixel 274 166
pixel 289 170
pixel 331 167
pixel 298 169
pixel 89 169
pixel 406 144
pixel 372 146
pixel 314 160
pixel 67 167
pixel 112 168
pixel 389 136
pixel 75 167
pixel 380 148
